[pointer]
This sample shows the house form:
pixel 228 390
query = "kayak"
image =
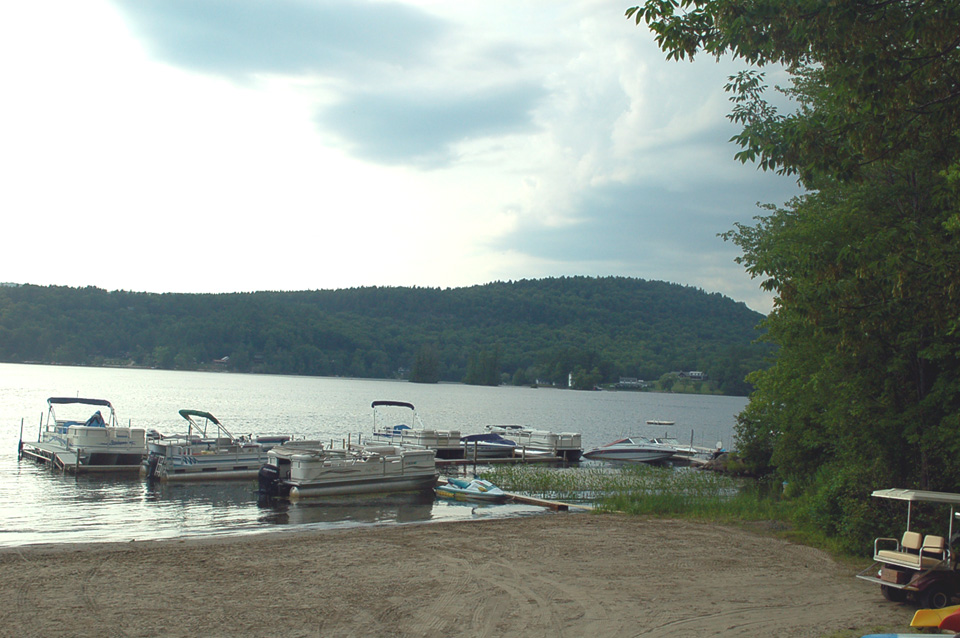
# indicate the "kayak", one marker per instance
pixel 471 490
pixel 932 617
pixel 951 622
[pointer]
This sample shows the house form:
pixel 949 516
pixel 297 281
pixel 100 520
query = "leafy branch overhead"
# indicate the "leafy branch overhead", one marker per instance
pixel 865 392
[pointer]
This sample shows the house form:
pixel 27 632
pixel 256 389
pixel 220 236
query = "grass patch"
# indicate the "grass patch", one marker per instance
pixel 642 489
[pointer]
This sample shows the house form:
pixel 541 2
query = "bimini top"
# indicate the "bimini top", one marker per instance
pixel 398 404
pixel 68 400
pixel 199 413
pixel 918 496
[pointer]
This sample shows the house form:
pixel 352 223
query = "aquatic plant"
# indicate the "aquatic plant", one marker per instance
pixel 644 489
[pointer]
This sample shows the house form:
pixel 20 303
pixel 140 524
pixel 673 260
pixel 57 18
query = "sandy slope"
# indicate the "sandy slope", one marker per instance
pixel 551 575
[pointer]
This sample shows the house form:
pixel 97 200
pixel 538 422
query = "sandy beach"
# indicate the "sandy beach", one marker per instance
pixel 558 574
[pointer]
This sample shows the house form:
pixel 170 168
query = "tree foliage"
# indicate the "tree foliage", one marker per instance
pixel 530 330
pixel 865 392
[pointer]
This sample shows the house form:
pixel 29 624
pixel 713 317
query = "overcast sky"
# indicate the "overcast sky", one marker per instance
pixel 240 145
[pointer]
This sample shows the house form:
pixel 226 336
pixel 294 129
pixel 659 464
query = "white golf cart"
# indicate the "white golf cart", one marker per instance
pixel 921 566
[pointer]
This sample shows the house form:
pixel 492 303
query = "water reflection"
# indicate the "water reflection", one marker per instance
pixel 351 510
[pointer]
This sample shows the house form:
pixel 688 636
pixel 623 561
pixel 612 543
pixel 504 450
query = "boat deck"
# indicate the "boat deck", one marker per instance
pixel 68 461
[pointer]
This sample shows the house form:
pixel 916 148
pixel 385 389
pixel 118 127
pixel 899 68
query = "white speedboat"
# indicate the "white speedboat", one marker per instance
pixel 93 443
pixel 633 449
pixel 302 469
pixel 206 451
pixel 566 445
pixel 397 423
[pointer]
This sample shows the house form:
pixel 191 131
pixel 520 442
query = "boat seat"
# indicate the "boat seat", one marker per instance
pixel 934 546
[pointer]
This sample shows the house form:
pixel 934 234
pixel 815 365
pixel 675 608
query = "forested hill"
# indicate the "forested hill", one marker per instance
pixel 523 331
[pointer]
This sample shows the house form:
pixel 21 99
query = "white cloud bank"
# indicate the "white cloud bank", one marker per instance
pixel 238 145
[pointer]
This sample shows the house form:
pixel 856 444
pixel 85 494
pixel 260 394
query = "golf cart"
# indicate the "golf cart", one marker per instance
pixel 919 566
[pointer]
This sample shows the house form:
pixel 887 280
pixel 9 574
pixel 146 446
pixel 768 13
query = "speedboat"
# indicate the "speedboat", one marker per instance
pixel 487 445
pixel 637 448
pixel 92 443
pixel 564 444
pixel 207 450
pixel 410 431
pixel 303 469
pixel 475 489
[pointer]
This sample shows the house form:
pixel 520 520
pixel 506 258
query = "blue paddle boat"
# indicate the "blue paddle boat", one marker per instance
pixel 475 489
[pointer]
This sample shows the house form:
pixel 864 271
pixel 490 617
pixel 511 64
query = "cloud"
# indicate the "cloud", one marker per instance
pixel 240 38
pixel 421 129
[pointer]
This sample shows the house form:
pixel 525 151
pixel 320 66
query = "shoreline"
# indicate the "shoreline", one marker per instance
pixel 555 574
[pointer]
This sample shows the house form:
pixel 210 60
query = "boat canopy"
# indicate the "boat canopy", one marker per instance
pixel 486 436
pixel 199 413
pixel 398 404
pixel 68 400
pixel 921 496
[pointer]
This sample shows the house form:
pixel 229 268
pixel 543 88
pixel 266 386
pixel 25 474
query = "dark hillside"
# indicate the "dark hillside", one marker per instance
pixel 600 329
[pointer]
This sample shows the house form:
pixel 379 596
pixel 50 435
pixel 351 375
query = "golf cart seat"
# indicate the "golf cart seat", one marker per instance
pixel 914 551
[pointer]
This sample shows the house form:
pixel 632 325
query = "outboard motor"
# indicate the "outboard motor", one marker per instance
pixel 153 460
pixel 269 479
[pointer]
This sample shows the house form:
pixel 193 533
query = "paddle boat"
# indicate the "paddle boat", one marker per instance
pixel 206 451
pixel 475 489
pixel 635 449
pixel 304 469
pixel 89 443
pixel 410 431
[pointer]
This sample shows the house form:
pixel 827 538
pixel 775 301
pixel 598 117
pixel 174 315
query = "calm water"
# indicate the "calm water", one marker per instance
pixel 40 506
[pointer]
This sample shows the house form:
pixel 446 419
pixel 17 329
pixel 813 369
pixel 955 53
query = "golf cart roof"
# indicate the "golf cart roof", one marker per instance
pixel 918 496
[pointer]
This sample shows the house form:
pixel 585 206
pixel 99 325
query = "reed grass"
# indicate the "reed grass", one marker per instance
pixel 644 489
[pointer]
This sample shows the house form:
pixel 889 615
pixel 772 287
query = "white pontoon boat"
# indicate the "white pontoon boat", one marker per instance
pixel 206 451
pixel 301 469
pixel 91 443
pixel 397 423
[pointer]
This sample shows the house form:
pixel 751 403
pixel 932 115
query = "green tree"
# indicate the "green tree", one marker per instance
pixel 866 388
pixel 426 366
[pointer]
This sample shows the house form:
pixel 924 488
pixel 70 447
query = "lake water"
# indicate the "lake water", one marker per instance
pixel 41 506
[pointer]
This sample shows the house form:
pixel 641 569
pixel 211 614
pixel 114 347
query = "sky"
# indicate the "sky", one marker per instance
pixel 243 145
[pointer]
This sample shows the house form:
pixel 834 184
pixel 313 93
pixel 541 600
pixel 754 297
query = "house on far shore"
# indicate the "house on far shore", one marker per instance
pixel 631 383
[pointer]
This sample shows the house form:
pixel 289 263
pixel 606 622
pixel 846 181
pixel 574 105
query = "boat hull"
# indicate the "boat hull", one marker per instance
pixel 362 486
pixel 85 460
pixel 629 456
pixel 302 470
pixel 175 470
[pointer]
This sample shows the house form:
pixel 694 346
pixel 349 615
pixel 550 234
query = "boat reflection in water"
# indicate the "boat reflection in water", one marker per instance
pixel 355 510
pixel 349 510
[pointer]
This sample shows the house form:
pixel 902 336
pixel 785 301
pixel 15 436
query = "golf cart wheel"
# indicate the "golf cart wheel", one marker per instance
pixel 936 596
pixel 893 594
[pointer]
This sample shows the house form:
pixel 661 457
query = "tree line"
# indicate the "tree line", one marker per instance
pixel 865 267
pixel 523 332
